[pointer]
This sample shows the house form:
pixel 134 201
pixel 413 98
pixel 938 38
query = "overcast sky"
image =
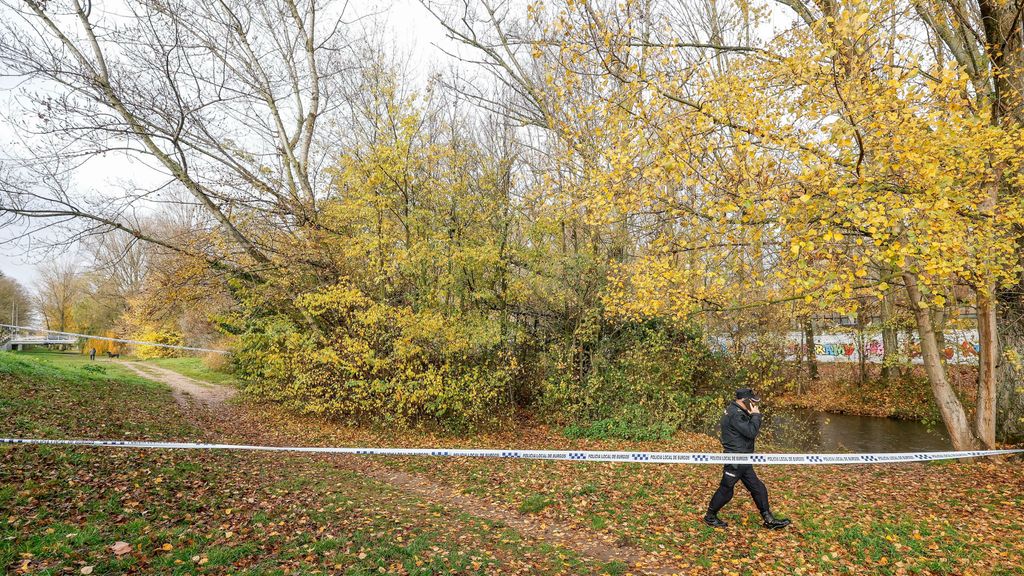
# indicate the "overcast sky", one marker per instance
pixel 416 33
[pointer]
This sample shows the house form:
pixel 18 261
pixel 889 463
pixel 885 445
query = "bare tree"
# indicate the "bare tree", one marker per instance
pixel 514 85
pixel 58 290
pixel 15 303
pixel 224 99
pixel 118 268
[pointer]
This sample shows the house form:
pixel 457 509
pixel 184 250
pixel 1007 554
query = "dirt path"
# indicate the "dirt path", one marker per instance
pixel 191 393
pixel 185 390
pixel 591 545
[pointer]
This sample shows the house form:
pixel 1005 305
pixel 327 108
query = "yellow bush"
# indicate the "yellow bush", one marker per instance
pixel 160 337
pixel 371 362
pixel 102 346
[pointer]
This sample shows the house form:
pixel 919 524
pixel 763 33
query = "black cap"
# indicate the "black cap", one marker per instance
pixel 747 393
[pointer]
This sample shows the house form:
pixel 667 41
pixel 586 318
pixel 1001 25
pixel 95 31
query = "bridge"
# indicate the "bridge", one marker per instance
pixel 9 337
pixel 17 340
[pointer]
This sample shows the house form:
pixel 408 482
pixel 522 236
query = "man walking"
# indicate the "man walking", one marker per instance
pixel 740 425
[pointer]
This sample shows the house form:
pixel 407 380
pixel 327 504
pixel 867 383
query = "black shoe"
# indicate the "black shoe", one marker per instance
pixel 774 523
pixel 714 521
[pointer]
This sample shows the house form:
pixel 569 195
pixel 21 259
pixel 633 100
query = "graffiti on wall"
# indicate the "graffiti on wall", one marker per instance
pixel 961 347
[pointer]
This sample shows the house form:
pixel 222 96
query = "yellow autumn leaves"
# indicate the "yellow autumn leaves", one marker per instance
pixel 819 167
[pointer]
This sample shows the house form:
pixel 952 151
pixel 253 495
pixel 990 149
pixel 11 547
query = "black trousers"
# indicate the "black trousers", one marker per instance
pixel 732 474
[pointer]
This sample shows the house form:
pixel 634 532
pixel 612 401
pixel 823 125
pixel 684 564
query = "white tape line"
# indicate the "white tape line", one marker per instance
pixel 579 456
pixel 108 339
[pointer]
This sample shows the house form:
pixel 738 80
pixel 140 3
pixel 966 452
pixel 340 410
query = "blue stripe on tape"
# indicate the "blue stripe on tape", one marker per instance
pixel 578 456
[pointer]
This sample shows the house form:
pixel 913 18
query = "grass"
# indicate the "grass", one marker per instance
pixel 43 364
pixel 208 512
pixel 924 518
pixel 618 429
pixel 534 503
pixel 191 366
pixel 262 514
pixel 54 395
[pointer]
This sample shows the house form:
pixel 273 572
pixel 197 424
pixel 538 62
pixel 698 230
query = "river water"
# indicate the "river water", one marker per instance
pixel 811 431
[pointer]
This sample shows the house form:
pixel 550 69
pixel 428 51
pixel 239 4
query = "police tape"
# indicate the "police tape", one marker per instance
pixel 572 455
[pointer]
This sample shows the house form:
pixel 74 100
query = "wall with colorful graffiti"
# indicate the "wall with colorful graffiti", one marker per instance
pixel 961 347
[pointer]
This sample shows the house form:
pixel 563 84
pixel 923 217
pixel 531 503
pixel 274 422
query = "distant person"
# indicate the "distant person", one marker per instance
pixel 740 425
pixel 92 354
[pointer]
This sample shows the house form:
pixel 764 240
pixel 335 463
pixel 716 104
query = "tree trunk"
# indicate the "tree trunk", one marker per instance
pixel 1004 44
pixel 988 356
pixel 939 325
pixel 1010 372
pixel 812 358
pixel 889 340
pixel 952 410
pixel 862 360
pixel 988 334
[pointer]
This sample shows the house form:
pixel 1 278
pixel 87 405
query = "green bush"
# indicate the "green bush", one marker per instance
pixel 335 351
pixel 644 382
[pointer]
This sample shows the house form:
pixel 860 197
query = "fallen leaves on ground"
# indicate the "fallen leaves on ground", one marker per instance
pixel 217 512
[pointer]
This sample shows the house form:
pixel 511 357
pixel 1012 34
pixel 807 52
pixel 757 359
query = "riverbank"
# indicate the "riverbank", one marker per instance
pixel 226 512
pixel 839 391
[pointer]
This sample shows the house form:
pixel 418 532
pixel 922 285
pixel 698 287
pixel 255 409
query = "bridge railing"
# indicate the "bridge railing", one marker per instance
pixel 9 337
pixel 42 340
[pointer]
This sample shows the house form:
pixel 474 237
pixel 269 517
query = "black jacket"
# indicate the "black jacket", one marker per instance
pixel 739 428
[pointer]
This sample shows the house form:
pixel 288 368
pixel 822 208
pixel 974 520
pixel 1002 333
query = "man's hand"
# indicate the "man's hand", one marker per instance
pixel 753 408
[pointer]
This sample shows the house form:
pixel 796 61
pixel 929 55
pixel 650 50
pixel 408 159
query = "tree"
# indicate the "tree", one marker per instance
pixel 15 303
pixel 790 170
pixel 985 39
pixel 116 272
pixel 162 292
pixel 59 290
pixel 224 99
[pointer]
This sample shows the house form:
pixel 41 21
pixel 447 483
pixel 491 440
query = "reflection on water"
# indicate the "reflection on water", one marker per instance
pixel 807 430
